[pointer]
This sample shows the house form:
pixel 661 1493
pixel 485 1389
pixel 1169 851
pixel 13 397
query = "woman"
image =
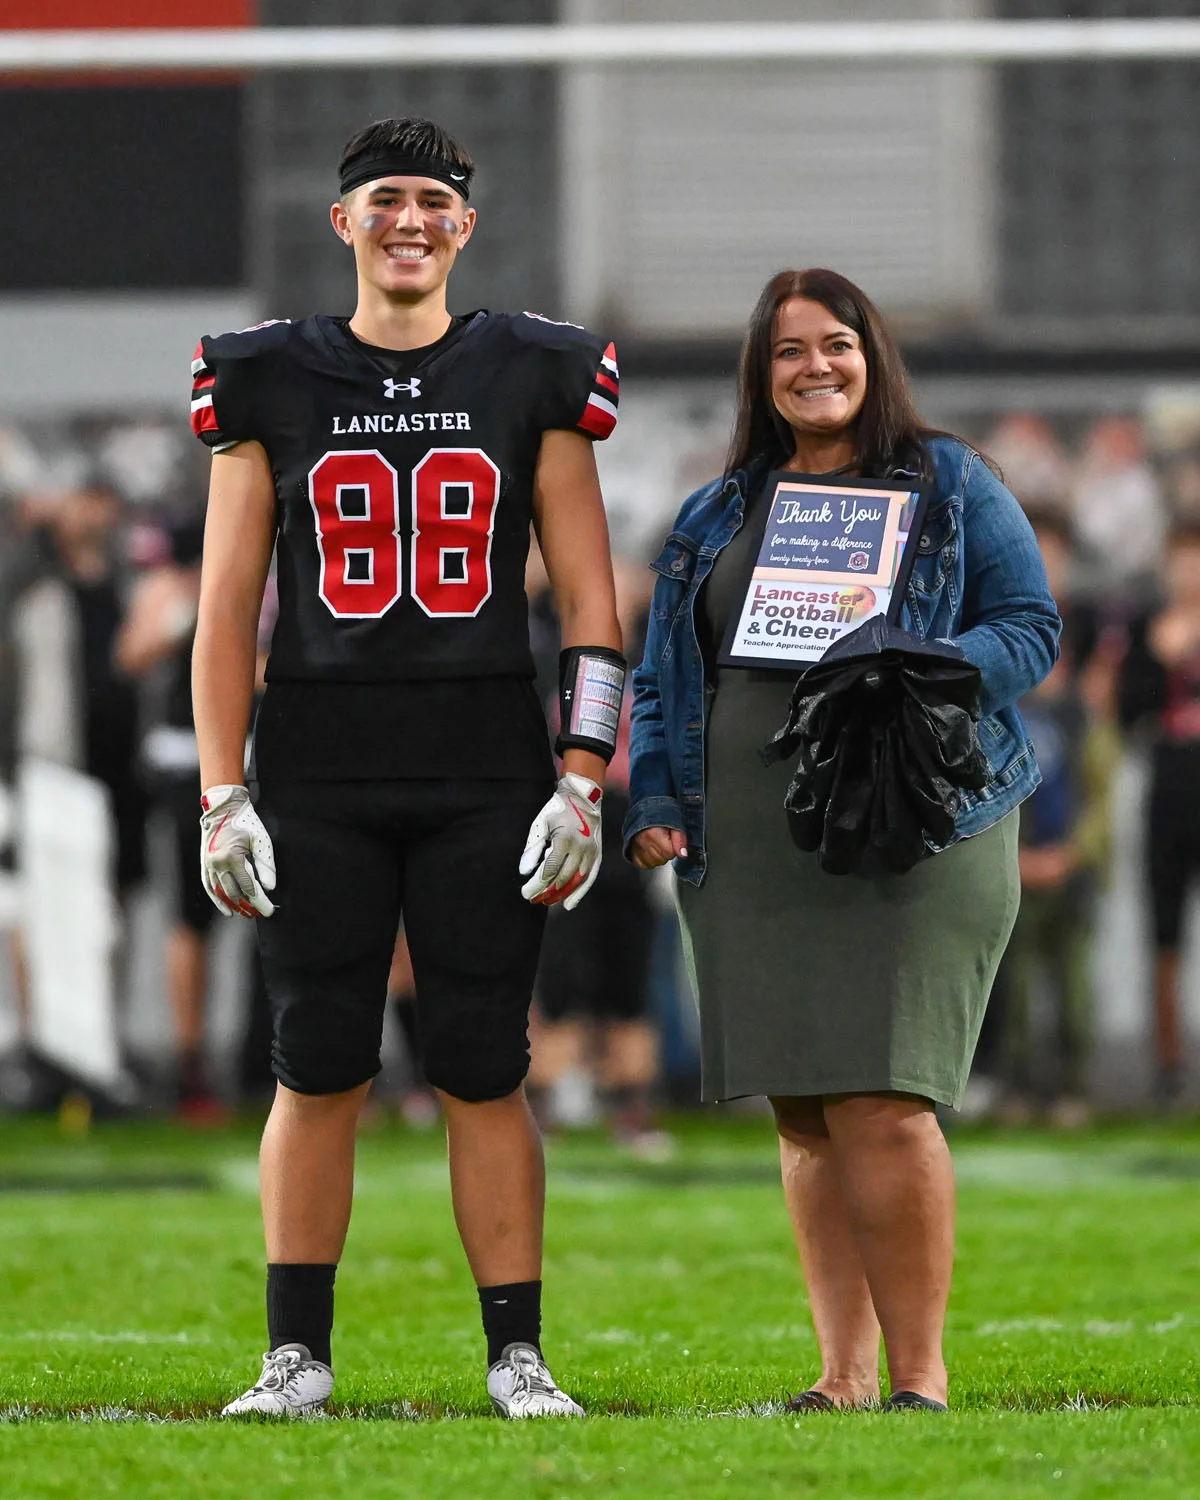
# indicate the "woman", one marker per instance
pixel 853 1003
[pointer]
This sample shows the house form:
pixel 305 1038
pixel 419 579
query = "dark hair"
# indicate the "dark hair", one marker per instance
pixel 888 431
pixel 413 136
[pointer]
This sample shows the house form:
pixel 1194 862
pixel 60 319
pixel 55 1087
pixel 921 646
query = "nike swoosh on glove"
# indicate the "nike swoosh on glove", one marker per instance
pixel 237 862
pixel 562 852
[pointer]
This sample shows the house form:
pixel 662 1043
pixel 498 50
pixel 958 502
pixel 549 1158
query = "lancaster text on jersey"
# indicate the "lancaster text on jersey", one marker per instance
pixel 397 421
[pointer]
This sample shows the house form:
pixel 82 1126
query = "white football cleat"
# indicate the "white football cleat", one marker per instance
pixel 520 1385
pixel 292 1384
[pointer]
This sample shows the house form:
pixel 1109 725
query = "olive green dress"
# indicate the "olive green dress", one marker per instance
pixel 811 983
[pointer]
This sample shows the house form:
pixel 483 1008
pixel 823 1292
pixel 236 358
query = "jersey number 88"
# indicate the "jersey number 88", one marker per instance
pixel 355 497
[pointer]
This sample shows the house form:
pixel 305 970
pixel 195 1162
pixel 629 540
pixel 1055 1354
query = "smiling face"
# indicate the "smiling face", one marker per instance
pixel 406 233
pixel 818 370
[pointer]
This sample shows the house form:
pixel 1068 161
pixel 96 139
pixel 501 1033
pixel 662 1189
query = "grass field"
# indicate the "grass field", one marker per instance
pixel 132 1308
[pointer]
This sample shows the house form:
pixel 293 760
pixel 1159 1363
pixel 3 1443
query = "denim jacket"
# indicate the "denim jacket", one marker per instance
pixel 978 581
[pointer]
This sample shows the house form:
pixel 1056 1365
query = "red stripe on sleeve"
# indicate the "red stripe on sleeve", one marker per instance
pixel 607 382
pixel 596 422
pixel 204 420
pixel 204 382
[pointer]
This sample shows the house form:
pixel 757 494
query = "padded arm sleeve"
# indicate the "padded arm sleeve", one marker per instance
pixel 591 685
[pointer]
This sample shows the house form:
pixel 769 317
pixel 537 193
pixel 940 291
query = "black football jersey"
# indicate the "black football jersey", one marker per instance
pixel 404 504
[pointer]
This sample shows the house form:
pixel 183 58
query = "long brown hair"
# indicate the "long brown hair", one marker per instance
pixel 887 431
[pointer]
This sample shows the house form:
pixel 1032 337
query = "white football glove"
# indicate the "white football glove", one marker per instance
pixel 237 862
pixel 562 852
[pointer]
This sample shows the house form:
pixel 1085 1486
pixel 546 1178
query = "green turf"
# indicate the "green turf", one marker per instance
pixel 132 1308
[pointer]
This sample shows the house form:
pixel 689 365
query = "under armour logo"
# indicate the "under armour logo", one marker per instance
pixel 409 387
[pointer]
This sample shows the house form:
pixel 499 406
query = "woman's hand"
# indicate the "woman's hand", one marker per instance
pixel 658 846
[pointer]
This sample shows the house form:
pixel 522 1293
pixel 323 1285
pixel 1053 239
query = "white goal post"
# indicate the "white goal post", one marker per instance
pixel 256 49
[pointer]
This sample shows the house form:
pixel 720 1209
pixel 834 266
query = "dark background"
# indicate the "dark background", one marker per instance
pixel 121 187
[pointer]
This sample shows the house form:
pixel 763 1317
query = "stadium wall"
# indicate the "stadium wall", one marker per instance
pixel 687 187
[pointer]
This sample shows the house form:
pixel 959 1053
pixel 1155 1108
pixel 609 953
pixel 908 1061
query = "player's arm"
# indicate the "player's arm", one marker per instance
pixel 239 534
pixel 572 531
pixel 562 855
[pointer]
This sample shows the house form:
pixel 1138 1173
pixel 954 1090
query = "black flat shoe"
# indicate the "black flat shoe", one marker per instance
pixel 911 1401
pixel 810 1401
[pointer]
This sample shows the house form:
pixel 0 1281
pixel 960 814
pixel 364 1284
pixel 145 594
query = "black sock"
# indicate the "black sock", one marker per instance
pixel 300 1307
pixel 512 1314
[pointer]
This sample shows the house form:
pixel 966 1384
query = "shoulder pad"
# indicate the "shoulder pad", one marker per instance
pixel 536 328
pixel 246 343
pixel 222 402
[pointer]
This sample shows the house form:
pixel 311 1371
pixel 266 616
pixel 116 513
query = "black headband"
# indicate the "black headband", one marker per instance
pixel 360 169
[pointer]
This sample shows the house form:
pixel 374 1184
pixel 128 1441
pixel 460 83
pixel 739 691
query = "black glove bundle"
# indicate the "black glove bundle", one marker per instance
pixel 886 726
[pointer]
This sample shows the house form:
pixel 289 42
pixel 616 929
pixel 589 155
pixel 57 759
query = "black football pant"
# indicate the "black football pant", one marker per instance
pixel 352 858
pixel 596 959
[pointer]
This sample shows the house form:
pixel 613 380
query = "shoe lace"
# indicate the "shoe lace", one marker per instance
pixel 531 1374
pixel 278 1368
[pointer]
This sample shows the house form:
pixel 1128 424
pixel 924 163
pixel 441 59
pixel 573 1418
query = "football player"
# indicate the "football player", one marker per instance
pixel 394 461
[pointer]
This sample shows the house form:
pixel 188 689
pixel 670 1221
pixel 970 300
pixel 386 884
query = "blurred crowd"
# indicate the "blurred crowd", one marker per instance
pixel 100 537
pixel 1116 510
